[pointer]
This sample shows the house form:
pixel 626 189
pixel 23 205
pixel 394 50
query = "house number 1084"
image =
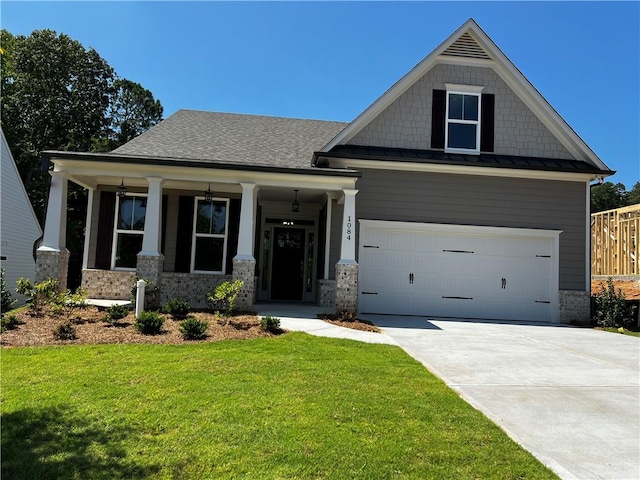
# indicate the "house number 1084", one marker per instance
pixel 349 227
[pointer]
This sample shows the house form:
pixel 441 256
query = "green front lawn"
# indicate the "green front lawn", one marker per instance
pixel 287 407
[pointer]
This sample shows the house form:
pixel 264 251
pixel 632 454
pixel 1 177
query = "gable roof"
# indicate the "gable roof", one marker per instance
pixel 471 45
pixel 229 138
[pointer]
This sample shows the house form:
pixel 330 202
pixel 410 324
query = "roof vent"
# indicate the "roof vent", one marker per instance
pixel 466 46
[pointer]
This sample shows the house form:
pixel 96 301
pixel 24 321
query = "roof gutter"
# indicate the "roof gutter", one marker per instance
pixel 49 156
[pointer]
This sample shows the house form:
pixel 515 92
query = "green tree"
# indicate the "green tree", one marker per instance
pixel 608 196
pixel 57 95
pixel 633 197
pixel 133 111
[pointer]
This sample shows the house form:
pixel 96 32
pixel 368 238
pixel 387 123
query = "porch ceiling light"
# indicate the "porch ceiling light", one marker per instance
pixel 208 195
pixel 122 189
pixel 295 206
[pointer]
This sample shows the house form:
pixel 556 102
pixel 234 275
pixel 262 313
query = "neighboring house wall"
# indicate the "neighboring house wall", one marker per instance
pixel 406 123
pixel 478 200
pixel 19 225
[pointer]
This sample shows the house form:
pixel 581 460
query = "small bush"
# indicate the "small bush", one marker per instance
pixel 56 309
pixel 65 331
pixel 116 312
pixel 7 300
pixel 8 322
pixel 224 296
pixel 193 329
pixel 270 324
pixel 611 309
pixel 39 294
pixel 149 323
pixel 176 307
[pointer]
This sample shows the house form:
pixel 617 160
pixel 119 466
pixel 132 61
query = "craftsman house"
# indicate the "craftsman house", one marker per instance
pixel 460 192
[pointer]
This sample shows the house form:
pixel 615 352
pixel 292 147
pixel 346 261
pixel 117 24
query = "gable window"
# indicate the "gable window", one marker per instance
pixel 209 251
pixel 129 231
pixel 462 132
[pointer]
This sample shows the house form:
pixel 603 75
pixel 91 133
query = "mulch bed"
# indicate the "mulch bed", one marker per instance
pixel 91 329
pixel 630 288
pixel 350 321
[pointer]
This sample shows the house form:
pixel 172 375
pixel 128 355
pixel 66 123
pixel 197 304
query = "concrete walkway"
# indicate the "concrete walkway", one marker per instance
pixel 570 396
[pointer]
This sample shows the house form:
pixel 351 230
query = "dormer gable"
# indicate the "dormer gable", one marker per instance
pixel 467 97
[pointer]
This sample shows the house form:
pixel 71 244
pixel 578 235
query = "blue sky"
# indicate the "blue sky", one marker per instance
pixel 330 60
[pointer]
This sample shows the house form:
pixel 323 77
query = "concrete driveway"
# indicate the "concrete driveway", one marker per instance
pixel 570 396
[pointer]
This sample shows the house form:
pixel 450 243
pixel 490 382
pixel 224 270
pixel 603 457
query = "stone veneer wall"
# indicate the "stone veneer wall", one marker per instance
pixel 346 289
pixel 150 268
pixel 111 284
pixel 245 269
pixel 191 287
pixel 325 292
pixel 52 264
pixel 574 307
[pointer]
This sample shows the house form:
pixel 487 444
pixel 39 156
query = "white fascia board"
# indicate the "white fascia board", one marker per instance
pixel 83 169
pixel 451 229
pixel 463 170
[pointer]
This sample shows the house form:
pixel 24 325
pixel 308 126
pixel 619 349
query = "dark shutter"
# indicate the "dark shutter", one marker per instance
pixel 437 118
pixel 185 234
pixel 233 228
pixel 104 241
pixel 487 123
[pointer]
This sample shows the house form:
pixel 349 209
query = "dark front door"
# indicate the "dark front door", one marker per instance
pixel 287 267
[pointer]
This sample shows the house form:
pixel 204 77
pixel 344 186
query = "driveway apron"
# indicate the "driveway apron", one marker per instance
pixel 570 396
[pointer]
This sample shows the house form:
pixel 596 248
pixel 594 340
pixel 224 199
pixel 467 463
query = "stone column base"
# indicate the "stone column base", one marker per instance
pixel 52 264
pixel 149 268
pixel 325 292
pixel 346 287
pixel 574 307
pixel 244 269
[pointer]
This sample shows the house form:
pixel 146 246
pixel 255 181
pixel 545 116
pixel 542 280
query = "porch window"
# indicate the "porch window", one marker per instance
pixel 129 230
pixel 209 252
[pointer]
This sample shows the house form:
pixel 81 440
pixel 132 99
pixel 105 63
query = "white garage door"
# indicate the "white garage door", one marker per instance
pixel 458 271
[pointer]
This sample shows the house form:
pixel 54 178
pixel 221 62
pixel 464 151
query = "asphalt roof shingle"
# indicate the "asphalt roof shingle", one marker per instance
pixel 234 139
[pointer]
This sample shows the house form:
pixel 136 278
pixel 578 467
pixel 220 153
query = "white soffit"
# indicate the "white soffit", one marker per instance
pixel 470 45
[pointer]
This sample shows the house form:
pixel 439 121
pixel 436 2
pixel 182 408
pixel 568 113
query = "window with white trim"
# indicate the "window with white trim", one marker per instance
pixel 209 245
pixel 128 231
pixel 462 132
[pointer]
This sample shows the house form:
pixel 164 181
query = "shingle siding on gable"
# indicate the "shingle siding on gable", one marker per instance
pixel 406 123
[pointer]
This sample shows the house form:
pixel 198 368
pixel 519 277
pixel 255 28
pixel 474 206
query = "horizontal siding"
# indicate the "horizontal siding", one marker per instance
pixel 171 233
pixel 488 201
pixel 19 226
pixel 336 237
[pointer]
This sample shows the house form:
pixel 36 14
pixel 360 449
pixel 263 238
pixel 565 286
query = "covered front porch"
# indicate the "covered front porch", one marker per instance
pixel 288 234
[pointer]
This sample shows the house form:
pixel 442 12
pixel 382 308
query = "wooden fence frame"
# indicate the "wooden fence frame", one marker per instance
pixel 615 235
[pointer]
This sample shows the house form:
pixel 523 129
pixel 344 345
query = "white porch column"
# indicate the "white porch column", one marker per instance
pixel 247 222
pixel 327 233
pixel 52 257
pixel 87 229
pixel 348 243
pixel 346 294
pixel 153 218
pixel 55 227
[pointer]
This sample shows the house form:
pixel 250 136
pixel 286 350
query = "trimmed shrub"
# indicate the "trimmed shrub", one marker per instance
pixel 65 331
pixel 7 300
pixel 176 307
pixel 149 323
pixel 193 328
pixel 611 309
pixel 270 324
pixel 116 312
pixel 8 322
